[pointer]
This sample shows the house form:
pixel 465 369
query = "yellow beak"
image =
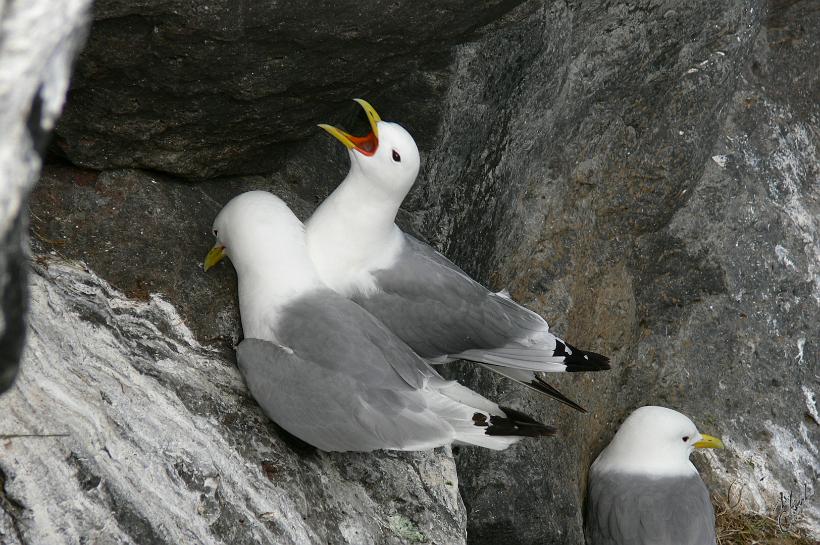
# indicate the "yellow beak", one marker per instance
pixel 214 256
pixel 707 441
pixel 372 115
pixel 366 145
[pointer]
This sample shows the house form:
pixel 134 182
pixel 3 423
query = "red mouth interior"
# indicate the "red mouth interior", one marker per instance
pixel 366 145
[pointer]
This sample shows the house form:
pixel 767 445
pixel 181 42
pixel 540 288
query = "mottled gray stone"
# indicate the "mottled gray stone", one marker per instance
pixel 647 179
pixel 122 428
pixel 38 43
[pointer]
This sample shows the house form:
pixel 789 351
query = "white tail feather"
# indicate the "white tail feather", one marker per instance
pixel 476 437
pixel 518 357
pixel 458 405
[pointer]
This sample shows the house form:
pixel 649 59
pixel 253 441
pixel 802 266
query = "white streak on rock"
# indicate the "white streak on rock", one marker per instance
pixel 801 344
pixel 720 160
pixel 811 404
pixel 783 256
pixel 163 445
pixel 793 160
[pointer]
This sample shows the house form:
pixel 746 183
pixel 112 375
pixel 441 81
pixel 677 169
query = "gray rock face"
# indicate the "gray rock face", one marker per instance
pixel 203 89
pixel 306 497
pixel 141 435
pixel 645 176
pixel 39 42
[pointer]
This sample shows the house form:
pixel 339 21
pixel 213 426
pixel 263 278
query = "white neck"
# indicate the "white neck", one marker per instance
pixel 651 460
pixel 265 289
pixel 353 232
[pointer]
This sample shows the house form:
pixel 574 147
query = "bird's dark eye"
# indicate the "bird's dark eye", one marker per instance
pixel 216 232
pixel 396 156
pixel 685 438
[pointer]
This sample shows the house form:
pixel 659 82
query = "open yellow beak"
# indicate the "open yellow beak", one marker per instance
pixel 366 145
pixel 214 256
pixel 707 441
pixel 372 115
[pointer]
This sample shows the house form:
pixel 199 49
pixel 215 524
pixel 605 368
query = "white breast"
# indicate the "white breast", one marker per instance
pixel 346 264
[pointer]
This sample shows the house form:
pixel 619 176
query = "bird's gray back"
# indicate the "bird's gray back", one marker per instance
pixel 337 334
pixel 332 410
pixel 640 510
pixel 340 380
pixel 437 309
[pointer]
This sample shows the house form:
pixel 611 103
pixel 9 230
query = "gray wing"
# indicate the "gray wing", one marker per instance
pixel 638 510
pixel 342 381
pixel 339 335
pixel 440 311
pixel 334 411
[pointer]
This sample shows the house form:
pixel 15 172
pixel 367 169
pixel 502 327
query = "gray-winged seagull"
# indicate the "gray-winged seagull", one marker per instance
pixel 419 294
pixel 643 490
pixel 326 370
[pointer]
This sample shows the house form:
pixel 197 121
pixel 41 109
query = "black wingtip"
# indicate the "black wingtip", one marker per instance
pixel 581 361
pixel 517 424
pixel 547 389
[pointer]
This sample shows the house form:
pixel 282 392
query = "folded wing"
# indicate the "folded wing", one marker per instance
pixel 438 310
pixel 339 380
pixel 640 510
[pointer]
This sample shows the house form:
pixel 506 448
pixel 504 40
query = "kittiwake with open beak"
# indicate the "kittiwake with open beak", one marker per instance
pixel 421 296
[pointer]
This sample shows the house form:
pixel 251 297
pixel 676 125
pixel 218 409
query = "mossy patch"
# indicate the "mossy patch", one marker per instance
pixel 405 529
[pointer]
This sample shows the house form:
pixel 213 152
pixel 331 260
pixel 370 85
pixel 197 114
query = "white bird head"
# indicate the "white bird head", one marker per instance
pixel 260 234
pixel 654 440
pixel 387 157
pixel 266 244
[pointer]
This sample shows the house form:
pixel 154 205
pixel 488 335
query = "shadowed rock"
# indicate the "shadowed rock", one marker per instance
pixel 217 88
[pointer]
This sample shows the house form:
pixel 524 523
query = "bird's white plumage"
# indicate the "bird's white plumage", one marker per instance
pixel 651 441
pixel 353 232
pixel 324 368
pixel 424 298
pixel 643 490
pixel 258 232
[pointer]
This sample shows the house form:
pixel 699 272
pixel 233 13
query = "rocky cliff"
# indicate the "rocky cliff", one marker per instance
pixel 38 45
pixel 644 175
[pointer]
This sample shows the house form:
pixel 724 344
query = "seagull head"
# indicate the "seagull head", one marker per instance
pixel 387 157
pixel 258 232
pixel 654 440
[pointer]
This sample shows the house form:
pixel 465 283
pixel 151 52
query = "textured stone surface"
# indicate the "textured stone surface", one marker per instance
pixel 148 234
pixel 141 435
pixel 219 87
pixel 38 42
pixel 644 175
pixel 656 198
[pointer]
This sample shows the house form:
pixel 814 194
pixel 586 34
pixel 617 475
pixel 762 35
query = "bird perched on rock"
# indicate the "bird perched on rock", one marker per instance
pixel 421 296
pixel 322 367
pixel 643 490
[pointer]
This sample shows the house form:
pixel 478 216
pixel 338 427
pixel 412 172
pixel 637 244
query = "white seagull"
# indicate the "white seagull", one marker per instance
pixel 420 295
pixel 643 490
pixel 322 367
